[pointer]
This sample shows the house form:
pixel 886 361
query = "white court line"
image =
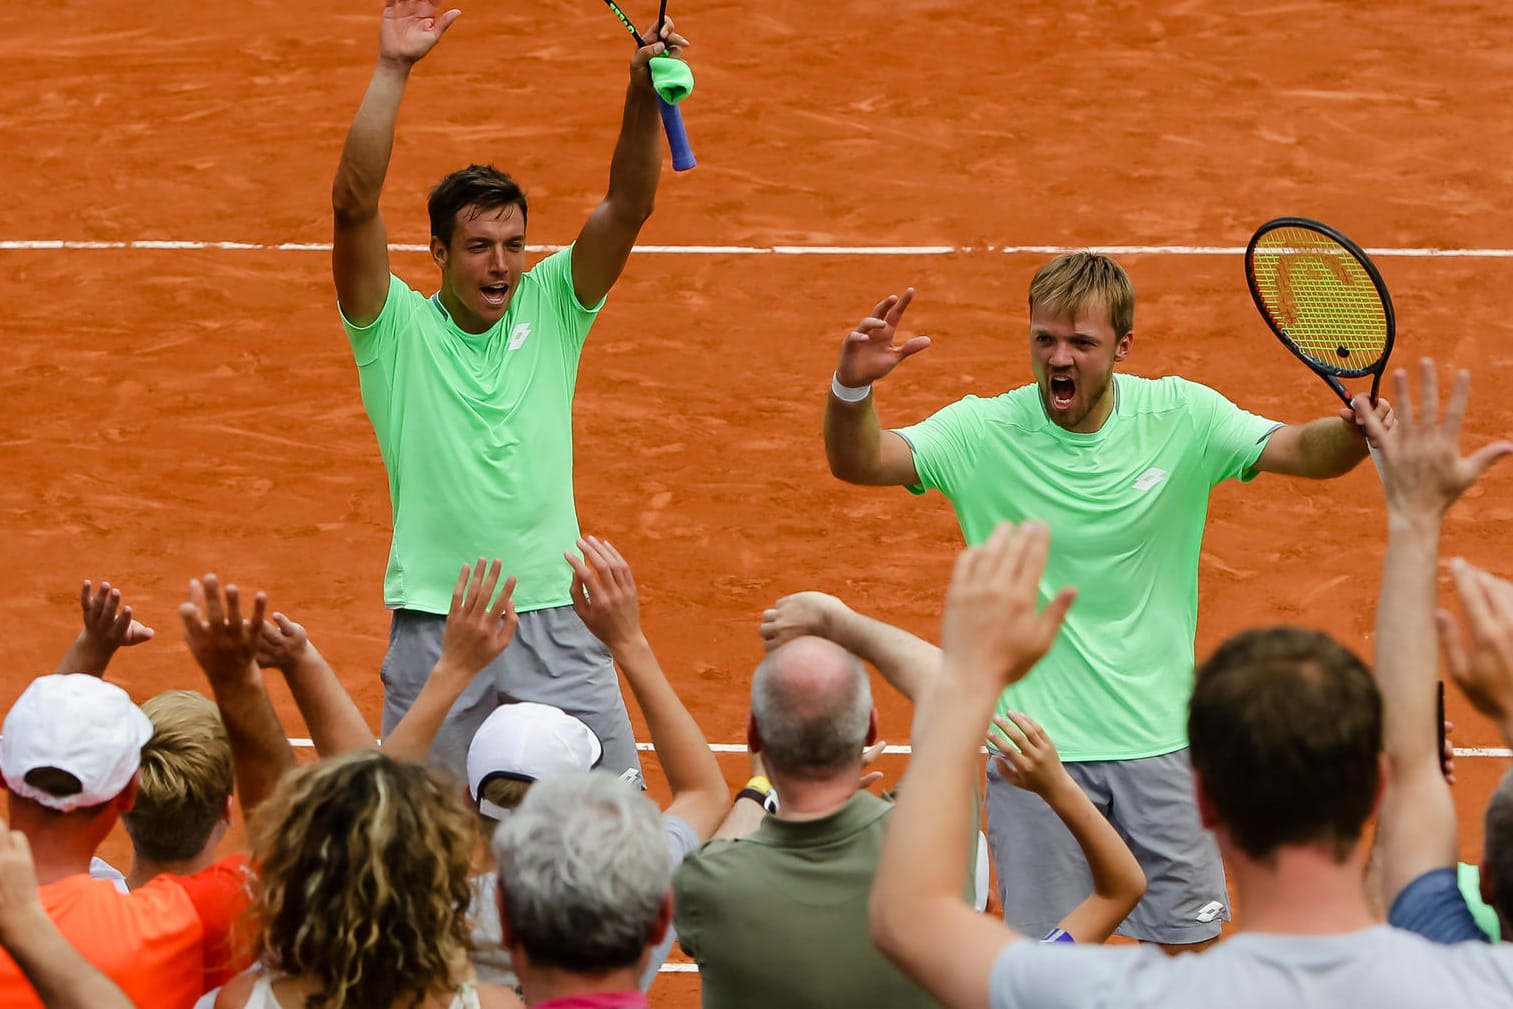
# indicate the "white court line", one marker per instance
pixel 1460 751
pixel 757 250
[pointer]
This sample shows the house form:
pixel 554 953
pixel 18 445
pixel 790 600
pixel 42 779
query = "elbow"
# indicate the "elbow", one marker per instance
pixel 886 921
pixel 348 207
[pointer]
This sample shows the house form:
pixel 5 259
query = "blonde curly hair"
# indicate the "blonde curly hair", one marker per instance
pixel 362 868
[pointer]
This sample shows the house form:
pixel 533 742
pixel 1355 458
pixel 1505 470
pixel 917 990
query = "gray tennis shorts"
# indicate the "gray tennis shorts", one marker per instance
pixel 553 659
pixel 1042 875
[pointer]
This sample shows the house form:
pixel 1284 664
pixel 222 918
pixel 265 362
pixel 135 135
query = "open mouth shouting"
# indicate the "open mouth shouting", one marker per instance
pixel 495 295
pixel 1063 391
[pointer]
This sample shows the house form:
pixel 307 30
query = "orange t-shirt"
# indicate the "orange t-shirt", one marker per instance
pixel 165 944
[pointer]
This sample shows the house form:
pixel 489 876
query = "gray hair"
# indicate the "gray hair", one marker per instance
pixel 812 703
pixel 584 871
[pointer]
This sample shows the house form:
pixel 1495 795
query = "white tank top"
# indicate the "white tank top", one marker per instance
pixel 262 995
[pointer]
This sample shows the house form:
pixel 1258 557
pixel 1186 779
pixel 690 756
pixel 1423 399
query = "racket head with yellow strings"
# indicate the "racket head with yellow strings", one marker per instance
pixel 1324 299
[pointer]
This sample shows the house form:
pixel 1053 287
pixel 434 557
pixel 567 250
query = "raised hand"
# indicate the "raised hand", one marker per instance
pixel 666 43
pixel 993 631
pixel 222 642
pixel 411 28
pixel 604 593
pixel 107 622
pixel 282 643
pixel 1355 415
pixel 479 626
pixel 1484 671
pixel 20 904
pixel 869 756
pixel 869 352
pixel 1025 754
pixel 1423 471
pixel 798 615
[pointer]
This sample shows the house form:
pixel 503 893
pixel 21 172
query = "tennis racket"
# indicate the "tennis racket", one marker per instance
pixel 672 117
pixel 1324 299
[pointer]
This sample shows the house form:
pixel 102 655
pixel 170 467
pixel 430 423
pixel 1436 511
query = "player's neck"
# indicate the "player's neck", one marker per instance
pixel 1301 890
pixel 459 314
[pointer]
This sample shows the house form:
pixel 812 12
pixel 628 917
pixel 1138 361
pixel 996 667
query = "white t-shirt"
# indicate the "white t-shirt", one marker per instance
pixel 1379 968
pixel 490 960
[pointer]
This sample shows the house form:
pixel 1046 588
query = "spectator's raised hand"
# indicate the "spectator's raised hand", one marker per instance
pixel 993 631
pixel 224 644
pixel 1423 471
pixel 282 644
pixel 1025 754
pixel 479 625
pixel 604 593
pixel 1484 669
pixel 106 621
pixel 799 615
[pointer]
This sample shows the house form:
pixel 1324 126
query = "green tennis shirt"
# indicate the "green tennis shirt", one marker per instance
pixel 1126 506
pixel 476 434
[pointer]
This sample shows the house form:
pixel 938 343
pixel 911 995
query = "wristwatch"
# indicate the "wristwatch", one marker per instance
pixel 760 791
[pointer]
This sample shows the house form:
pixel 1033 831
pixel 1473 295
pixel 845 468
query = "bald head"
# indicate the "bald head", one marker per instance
pixel 812 705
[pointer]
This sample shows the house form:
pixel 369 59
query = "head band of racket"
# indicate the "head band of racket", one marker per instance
pixel 672 117
pixel 1324 299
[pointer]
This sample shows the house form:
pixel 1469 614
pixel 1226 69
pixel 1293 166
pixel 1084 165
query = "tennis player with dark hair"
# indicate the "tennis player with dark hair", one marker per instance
pixel 470 393
pixel 1120 468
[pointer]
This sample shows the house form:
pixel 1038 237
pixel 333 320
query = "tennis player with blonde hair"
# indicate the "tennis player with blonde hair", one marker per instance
pixel 1120 468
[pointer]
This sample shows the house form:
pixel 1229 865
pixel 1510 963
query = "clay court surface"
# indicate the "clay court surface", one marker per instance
pixel 173 411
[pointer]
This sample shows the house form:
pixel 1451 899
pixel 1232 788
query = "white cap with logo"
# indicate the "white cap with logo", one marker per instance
pixel 75 723
pixel 528 742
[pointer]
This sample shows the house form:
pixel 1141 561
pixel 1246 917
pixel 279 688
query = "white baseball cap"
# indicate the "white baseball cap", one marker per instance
pixel 528 742
pixel 75 723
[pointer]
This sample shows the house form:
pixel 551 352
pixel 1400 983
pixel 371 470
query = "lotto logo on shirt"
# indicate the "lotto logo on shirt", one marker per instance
pixel 518 335
pixel 1149 479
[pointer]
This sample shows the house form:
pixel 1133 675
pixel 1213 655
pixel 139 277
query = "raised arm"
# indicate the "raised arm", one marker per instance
pixel 335 724
pixel 909 663
pixel 1423 474
pixel 604 595
pixel 991 636
pixel 359 246
pixel 63 979
pixel 610 232
pixel 225 646
pixel 858 449
pixel 108 626
pixel 1029 760
pixel 479 628
pixel 1327 447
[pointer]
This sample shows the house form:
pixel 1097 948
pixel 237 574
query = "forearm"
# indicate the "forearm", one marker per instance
pixel 853 439
pixel 925 854
pixel 636 166
pixel 63 979
pixel 86 655
pixel 335 724
pixel 260 752
pixel 416 731
pixel 370 141
pixel 745 816
pixel 687 761
pixel 909 663
pixel 1330 447
pixel 1405 645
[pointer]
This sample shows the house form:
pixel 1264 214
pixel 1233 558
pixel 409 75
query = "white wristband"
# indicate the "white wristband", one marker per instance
pixel 847 394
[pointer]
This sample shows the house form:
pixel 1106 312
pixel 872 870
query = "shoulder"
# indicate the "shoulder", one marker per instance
pixel 236 992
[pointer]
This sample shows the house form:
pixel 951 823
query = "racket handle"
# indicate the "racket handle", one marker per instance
pixel 677 137
pixel 1376 459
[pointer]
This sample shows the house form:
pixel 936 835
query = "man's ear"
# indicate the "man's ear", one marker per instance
pixel 128 797
pixel 872 727
pixel 662 924
pixel 1124 345
pixel 228 814
pixel 438 252
pixel 753 737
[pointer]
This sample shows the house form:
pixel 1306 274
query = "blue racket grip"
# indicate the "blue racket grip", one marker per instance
pixel 677 136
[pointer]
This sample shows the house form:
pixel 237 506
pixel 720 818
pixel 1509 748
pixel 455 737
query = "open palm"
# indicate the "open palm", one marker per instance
pixel 869 352
pixel 411 28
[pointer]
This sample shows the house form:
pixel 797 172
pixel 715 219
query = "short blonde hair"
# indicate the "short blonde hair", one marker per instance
pixel 506 793
pixel 1076 280
pixel 185 781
